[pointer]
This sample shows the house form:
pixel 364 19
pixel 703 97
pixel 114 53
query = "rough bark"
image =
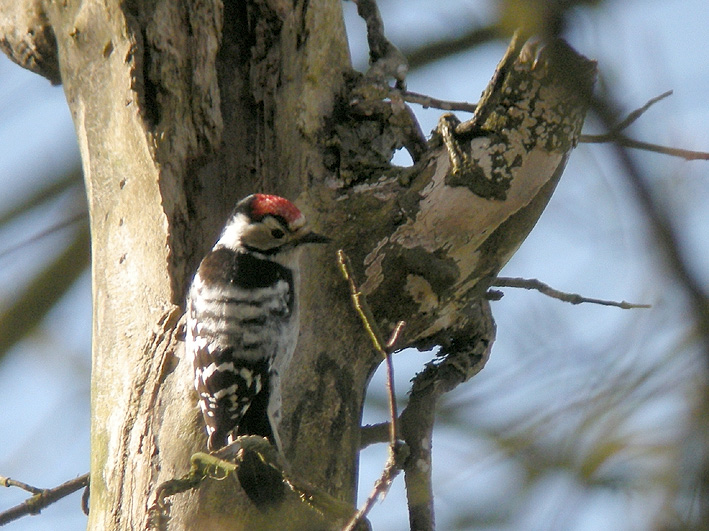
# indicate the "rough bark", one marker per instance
pixel 181 108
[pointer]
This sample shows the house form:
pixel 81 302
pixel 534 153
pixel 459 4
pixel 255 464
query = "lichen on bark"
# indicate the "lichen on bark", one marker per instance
pixel 476 193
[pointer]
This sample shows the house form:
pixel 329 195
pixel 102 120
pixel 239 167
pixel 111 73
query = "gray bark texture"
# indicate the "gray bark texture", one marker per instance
pixel 182 108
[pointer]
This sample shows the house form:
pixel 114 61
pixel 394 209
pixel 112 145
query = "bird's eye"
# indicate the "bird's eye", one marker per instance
pixel 277 233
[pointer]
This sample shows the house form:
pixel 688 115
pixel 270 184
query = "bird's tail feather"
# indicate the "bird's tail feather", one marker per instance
pixel 262 483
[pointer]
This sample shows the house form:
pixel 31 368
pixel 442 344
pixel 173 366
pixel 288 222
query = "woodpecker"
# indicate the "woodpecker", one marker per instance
pixel 242 325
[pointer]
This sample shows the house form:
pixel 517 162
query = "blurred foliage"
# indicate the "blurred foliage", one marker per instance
pixel 20 317
pixel 537 17
pixel 626 437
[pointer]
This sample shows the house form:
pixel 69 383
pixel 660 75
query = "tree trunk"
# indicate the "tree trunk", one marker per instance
pixel 182 108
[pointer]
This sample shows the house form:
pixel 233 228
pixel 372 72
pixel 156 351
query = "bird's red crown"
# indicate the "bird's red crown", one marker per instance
pixel 273 205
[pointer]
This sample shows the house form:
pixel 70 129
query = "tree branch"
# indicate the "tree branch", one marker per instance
pixel 572 298
pixel 393 464
pixel 662 227
pixel 373 434
pixel 615 136
pixel 624 141
pixel 41 498
pixel 417 429
pixel 9 482
pixel 637 113
pixel 385 59
pixel 431 102
pixel 27 37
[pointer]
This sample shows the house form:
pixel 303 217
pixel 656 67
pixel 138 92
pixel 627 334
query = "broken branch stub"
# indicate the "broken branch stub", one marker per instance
pixel 474 197
pixel 27 37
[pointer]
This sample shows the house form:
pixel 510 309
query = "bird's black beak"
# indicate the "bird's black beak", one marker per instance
pixel 314 237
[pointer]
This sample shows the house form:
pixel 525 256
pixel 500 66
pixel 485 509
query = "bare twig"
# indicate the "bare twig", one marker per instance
pixel 615 136
pixel 572 298
pixel 428 101
pixel 360 303
pixel 378 43
pixel 393 413
pixel 392 467
pixel 417 422
pixel 463 354
pixel 9 482
pixel 41 498
pixel 622 140
pixel 637 113
pixel 664 231
pixel 381 488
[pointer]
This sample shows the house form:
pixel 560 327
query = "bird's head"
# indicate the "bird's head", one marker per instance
pixel 268 225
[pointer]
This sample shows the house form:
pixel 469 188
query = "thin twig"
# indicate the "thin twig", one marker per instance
pixel 637 113
pixel 380 490
pixel 9 482
pixel 391 468
pixel 376 40
pixel 622 140
pixel 360 303
pixel 661 224
pixel 614 135
pixel 393 413
pixel 40 499
pixel 572 298
pixel 435 103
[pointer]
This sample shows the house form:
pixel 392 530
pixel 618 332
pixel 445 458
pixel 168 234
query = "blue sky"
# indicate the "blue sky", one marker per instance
pixel 549 356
